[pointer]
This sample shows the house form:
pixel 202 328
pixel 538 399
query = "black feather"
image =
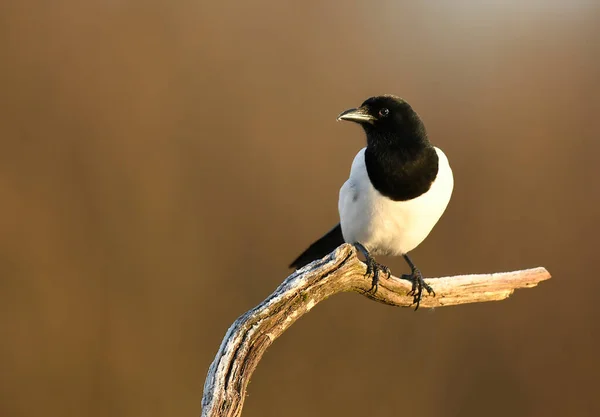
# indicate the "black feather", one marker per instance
pixel 320 248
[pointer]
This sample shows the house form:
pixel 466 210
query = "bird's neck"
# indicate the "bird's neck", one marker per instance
pixel 401 171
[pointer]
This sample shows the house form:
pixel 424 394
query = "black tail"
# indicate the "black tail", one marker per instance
pixel 320 248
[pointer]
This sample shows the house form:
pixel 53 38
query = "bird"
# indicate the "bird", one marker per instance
pixel 399 187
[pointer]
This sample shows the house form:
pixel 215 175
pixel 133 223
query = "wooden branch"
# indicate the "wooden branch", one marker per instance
pixel 341 271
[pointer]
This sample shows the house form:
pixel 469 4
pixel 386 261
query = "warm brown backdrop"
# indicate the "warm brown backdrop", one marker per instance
pixel 162 161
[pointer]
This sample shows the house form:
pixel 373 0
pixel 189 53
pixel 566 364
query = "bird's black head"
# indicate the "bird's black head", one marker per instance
pixel 388 120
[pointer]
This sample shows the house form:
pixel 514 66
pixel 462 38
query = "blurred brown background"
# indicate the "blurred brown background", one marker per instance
pixel 161 162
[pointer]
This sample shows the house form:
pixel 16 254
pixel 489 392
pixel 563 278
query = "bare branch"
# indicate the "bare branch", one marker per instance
pixel 252 333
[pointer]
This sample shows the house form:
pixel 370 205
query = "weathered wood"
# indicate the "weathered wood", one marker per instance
pixel 253 332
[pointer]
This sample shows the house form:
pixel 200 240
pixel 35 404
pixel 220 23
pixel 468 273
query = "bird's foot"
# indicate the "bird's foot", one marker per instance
pixel 418 284
pixel 375 268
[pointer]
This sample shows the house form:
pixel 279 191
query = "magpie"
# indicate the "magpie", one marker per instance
pixel 399 187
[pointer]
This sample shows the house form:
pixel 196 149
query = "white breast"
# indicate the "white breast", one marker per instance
pixel 384 226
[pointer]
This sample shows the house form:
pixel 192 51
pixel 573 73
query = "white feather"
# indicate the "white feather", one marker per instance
pixel 384 226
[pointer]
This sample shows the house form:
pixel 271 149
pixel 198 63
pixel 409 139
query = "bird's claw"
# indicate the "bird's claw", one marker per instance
pixel 418 284
pixel 374 267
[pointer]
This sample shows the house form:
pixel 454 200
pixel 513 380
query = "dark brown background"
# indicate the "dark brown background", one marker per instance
pixel 162 161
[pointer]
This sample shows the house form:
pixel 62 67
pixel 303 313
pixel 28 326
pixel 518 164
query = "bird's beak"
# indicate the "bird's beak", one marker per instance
pixel 359 115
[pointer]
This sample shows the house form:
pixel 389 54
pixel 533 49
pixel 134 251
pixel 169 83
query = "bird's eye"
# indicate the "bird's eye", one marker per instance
pixel 384 112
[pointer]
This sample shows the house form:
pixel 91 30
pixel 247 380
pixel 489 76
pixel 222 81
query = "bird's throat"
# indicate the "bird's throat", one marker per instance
pixel 401 173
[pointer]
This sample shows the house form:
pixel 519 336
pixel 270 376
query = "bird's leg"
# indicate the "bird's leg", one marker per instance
pixel 418 283
pixel 372 267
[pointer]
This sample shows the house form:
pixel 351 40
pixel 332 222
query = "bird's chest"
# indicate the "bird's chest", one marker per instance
pixel 386 226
